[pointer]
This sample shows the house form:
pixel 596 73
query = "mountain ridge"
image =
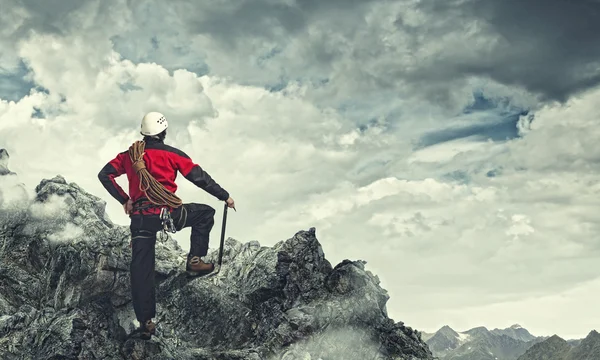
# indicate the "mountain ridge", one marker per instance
pixel 479 343
pixel 64 271
pixel 557 348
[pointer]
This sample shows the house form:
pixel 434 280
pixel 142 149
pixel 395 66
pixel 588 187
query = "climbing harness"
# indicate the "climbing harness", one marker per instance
pixel 166 220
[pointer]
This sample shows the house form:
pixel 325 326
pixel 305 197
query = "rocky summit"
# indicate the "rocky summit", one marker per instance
pixel 65 294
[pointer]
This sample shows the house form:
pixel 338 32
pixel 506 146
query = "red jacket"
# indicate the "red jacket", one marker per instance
pixel 163 162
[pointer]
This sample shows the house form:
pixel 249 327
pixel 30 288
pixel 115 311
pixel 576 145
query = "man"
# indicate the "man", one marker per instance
pixel 151 167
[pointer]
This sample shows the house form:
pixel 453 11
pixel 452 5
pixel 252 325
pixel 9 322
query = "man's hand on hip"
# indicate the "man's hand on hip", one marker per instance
pixel 128 207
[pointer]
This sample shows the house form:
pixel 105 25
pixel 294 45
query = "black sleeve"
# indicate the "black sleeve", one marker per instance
pixel 107 178
pixel 202 179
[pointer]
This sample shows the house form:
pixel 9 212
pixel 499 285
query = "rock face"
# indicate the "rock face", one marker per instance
pixel 64 275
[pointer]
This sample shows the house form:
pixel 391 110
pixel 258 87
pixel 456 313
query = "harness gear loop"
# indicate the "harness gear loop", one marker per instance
pixel 163 235
pixel 167 221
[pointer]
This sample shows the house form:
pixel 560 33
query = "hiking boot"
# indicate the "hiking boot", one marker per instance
pixel 147 329
pixel 195 266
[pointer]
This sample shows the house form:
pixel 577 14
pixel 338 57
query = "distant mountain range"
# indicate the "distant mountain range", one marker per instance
pixel 556 348
pixel 513 343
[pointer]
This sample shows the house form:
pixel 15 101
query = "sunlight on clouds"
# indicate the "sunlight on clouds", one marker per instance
pixel 15 114
pixel 101 69
pixel 562 138
pixel 520 226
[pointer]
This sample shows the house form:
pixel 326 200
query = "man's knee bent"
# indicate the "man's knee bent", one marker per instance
pixel 201 213
pixel 201 216
pixel 205 209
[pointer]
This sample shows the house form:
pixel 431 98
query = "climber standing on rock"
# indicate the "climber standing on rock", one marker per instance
pixel 151 167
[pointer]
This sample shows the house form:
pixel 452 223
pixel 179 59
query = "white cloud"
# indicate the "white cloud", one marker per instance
pixel 69 232
pixel 53 208
pixel 13 193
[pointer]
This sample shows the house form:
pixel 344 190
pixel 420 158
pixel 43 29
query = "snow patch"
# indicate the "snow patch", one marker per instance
pixel 463 338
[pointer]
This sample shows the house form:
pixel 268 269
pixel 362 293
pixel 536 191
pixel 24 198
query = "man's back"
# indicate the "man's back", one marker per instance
pixel 162 162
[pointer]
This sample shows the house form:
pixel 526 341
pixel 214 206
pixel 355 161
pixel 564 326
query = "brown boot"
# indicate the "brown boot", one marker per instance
pixel 195 266
pixel 147 329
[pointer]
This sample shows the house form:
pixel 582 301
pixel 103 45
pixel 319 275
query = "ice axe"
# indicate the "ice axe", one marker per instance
pixel 222 238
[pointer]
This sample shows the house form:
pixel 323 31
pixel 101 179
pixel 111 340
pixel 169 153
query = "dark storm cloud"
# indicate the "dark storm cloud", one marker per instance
pixel 550 47
pixel 59 16
pixel 49 16
pixel 233 21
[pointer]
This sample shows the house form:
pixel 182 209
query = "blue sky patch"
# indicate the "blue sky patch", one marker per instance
pixel 128 86
pixel 13 85
pixel 37 114
pixel 491 119
pixel 457 176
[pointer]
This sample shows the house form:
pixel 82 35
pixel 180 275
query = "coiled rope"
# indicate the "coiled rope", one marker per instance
pixel 155 191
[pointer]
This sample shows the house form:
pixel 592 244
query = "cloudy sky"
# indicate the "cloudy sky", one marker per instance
pixel 451 145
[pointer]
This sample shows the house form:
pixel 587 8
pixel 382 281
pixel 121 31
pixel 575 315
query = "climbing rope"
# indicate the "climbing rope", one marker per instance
pixel 155 191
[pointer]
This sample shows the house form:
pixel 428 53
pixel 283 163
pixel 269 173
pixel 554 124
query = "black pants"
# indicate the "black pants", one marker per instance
pixel 199 217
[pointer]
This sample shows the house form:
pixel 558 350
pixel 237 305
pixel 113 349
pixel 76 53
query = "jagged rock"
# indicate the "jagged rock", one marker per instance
pixel 64 274
pixel 4 162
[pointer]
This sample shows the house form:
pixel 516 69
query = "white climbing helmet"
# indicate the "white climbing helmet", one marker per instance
pixel 153 123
